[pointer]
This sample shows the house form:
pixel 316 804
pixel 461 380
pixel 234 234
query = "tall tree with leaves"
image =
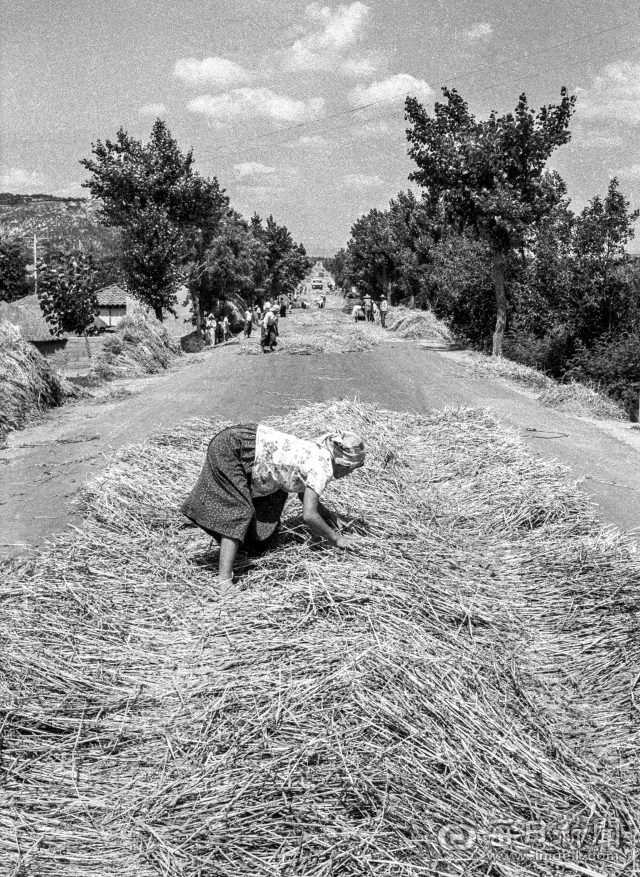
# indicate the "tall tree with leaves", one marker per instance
pixel 13 278
pixel 167 212
pixel 601 234
pixel 489 177
pixel 67 290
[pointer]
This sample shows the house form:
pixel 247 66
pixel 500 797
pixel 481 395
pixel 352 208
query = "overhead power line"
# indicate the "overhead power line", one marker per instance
pixel 226 150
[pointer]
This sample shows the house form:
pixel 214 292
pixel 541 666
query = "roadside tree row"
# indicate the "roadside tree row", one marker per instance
pixel 491 245
pixel 173 227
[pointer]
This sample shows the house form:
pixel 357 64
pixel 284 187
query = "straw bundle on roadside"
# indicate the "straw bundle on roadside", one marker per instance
pixel 576 398
pixel 140 345
pixel 416 325
pixel 572 398
pixel 474 663
pixel 28 384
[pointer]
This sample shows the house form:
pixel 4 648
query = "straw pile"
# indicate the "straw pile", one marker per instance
pixel 140 345
pixel 576 398
pixel 416 325
pixel 28 384
pixel 475 663
pixel 296 344
pixel 571 398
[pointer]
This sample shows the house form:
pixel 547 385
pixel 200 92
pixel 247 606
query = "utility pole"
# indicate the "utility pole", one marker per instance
pixel 35 258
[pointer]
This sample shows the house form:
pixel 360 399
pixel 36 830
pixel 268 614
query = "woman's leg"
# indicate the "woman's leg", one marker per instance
pixel 228 551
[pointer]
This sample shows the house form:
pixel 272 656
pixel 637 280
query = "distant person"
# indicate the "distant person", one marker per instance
pixel 250 470
pixel 376 312
pixel 368 308
pixel 357 313
pixel 269 332
pixel 219 332
pixel 283 307
pixel 209 330
pixel 226 329
pixel 384 307
pixel 248 323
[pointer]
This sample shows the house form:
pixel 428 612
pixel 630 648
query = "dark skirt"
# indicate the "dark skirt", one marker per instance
pixel 221 501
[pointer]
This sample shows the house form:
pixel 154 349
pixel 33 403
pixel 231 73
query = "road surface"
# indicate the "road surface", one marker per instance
pixel 44 466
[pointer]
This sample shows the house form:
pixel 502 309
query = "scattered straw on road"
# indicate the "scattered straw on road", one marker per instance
pixel 475 663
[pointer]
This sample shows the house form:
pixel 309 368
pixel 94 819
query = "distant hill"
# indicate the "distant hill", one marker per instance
pixel 60 224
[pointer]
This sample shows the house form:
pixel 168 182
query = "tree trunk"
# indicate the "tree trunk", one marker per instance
pixel 195 302
pixel 501 301
pixel 159 315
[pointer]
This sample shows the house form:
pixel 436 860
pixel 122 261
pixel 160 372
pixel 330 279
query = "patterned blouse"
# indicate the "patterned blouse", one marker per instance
pixel 284 462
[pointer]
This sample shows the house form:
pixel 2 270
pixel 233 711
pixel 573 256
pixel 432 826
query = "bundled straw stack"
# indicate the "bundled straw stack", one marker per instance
pixel 28 384
pixel 475 663
pixel 416 325
pixel 140 345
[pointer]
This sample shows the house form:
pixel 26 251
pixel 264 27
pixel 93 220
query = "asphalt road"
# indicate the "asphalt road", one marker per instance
pixel 44 465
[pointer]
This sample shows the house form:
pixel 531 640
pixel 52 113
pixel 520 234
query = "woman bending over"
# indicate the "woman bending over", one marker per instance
pixel 250 470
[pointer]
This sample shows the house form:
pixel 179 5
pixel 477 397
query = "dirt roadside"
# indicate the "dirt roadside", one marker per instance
pixel 43 466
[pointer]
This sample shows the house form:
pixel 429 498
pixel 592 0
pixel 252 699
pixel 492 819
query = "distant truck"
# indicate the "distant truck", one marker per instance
pixel 316 284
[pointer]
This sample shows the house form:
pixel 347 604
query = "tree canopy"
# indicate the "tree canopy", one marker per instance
pixel 489 177
pixel 168 213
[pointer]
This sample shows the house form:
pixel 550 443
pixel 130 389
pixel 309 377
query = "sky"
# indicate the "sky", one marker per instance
pixel 297 107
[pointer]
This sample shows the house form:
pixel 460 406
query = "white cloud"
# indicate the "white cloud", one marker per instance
pixel 341 28
pixel 324 49
pixel 312 140
pixel 615 94
pixel 480 31
pixel 359 67
pixel 153 110
pixel 252 169
pixel 398 86
pixel 219 72
pixel 632 172
pixel 20 182
pixel 362 181
pixel 249 103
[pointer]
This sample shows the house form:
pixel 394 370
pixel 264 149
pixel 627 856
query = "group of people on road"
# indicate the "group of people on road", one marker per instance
pixel 371 310
pixel 215 330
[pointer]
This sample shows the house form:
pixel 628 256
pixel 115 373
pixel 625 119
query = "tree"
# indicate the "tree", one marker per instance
pixel 286 262
pixel 489 176
pixel 67 292
pixel 600 288
pixel 13 278
pixel 336 266
pixel 235 256
pixel 369 253
pixel 167 212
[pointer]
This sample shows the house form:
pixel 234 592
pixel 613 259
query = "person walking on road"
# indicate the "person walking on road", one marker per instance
pixel 250 470
pixel 384 307
pixel 225 328
pixel 269 332
pixel 248 323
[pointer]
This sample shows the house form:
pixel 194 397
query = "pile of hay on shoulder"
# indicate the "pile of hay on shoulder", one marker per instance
pixel 417 325
pixel 580 399
pixel 28 384
pixel 141 345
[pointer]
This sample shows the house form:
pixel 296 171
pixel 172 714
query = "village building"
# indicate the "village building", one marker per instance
pixel 112 304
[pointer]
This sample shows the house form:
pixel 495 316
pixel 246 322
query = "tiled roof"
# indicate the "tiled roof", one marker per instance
pixel 112 296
